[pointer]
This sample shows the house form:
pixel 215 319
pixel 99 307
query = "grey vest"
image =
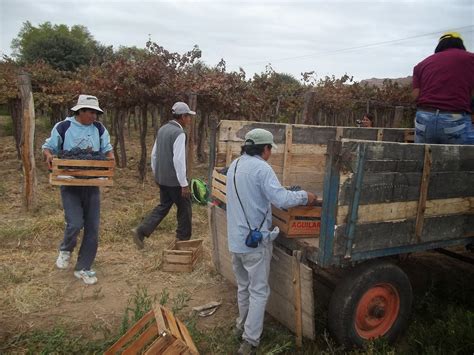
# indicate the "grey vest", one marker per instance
pixel 165 173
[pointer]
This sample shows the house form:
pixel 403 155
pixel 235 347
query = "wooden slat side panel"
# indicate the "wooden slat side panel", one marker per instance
pixel 177 347
pixel 396 211
pixel 160 321
pixel 280 303
pixel 71 172
pixel 83 163
pixel 194 243
pixel 124 339
pixel 178 259
pixel 383 157
pixel 160 345
pixel 142 341
pixel 171 321
pixel 375 236
pixel 187 337
pixel 80 182
pixel 399 187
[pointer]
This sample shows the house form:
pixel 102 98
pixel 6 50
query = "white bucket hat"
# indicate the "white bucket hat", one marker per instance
pixel 87 101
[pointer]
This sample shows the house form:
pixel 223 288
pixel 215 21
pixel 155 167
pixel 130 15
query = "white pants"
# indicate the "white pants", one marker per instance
pixel 251 271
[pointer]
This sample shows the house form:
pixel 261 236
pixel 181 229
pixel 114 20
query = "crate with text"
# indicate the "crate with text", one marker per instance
pixel 298 222
pixel 72 172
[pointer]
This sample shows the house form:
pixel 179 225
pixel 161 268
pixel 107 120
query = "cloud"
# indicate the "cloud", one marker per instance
pixel 316 35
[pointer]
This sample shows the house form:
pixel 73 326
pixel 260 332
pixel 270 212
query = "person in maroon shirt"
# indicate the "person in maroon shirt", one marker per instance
pixel 443 85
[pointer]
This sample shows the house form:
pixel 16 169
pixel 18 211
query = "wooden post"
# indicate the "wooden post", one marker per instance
pixel 380 134
pixel 190 149
pixel 425 180
pixel 397 120
pixel 27 140
pixel 228 153
pixel 308 108
pixel 297 295
pixel 287 155
pixel 212 149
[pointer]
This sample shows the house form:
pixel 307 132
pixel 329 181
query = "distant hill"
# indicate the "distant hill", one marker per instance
pixel 379 82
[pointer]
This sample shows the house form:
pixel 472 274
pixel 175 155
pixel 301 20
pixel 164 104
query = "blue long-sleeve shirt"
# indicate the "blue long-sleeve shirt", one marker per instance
pixel 258 188
pixel 78 135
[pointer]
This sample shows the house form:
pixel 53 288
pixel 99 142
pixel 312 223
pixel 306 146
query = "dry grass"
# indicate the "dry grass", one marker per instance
pixel 32 297
pixel 35 295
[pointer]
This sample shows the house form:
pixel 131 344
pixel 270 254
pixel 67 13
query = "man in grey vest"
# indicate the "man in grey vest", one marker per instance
pixel 168 162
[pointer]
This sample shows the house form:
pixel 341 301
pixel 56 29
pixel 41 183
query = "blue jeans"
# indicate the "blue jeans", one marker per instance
pixel 443 128
pixel 81 210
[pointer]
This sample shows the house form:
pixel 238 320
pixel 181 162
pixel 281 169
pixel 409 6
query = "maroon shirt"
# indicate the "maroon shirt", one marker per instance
pixel 445 80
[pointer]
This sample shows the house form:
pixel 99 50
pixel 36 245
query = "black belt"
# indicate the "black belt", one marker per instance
pixel 432 109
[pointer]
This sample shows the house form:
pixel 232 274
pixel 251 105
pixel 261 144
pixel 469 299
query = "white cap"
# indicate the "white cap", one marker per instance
pixel 87 101
pixel 181 108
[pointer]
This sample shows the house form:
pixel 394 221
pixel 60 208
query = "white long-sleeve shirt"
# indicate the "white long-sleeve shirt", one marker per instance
pixel 179 158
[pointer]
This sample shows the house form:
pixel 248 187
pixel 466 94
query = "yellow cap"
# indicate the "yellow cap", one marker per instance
pixel 450 35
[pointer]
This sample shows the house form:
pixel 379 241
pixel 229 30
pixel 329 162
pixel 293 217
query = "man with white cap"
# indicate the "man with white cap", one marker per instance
pixel 252 187
pixel 81 203
pixel 168 162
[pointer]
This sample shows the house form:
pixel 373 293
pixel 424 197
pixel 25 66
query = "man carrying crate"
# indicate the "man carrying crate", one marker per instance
pixel 252 187
pixel 81 203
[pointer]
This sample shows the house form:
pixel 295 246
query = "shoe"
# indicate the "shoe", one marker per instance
pixel 247 349
pixel 62 262
pixel 88 276
pixel 138 238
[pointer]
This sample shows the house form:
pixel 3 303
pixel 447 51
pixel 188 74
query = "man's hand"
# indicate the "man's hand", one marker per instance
pixel 185 192
pixel 311 199
pixel 48 157
pixel 110 155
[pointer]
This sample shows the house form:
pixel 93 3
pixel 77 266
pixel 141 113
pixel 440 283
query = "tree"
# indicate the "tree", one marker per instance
pixel 63 48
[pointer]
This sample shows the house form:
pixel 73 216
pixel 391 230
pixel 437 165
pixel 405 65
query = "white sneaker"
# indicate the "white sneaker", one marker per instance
pixel 62 262
pixel 88 276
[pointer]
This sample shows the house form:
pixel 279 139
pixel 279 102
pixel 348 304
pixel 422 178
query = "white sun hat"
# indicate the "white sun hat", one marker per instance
pixel 87 101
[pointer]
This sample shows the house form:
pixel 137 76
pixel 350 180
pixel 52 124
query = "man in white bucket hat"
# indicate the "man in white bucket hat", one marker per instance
pixel 81 203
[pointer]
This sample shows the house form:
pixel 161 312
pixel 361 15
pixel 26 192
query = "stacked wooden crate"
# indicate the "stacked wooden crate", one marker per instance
pixel 71 172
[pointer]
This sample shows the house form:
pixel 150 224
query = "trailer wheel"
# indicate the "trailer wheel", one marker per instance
pixel 373 300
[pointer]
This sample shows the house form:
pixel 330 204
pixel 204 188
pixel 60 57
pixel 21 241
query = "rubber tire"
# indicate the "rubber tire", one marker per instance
pixel 346 296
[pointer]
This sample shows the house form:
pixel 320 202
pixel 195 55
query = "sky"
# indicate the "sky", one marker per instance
pixel 365 39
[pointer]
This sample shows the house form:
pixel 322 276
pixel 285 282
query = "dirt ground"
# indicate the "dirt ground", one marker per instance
pixel 34 294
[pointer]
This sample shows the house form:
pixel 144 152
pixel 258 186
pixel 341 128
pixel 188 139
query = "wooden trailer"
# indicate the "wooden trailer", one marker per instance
pixel 382 197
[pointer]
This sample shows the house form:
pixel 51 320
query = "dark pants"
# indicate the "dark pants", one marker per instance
pixel 81 210
pixel 170 195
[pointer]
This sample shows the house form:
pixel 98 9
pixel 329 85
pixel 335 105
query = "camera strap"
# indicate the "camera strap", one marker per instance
pixel 241 205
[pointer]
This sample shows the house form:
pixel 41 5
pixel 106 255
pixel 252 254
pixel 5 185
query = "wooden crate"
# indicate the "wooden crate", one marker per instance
pixel 298 222
pixel 182 255
pixel 80 175
pixel 157 332
pixel 219 186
